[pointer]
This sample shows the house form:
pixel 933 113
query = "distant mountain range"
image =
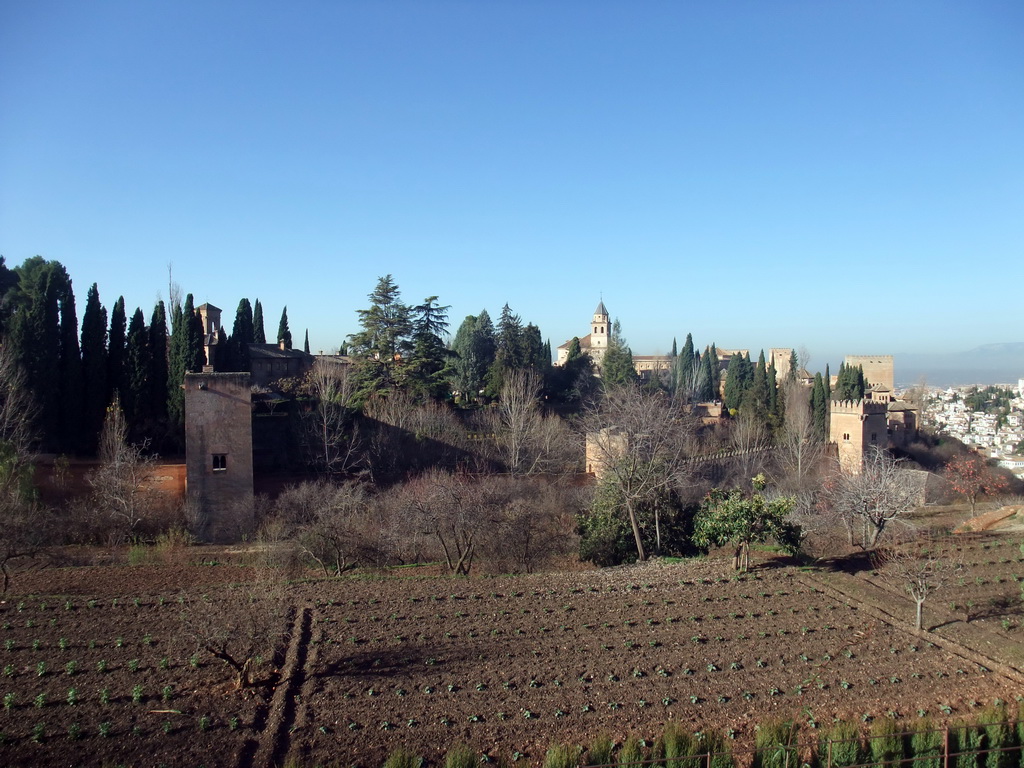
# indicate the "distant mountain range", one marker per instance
pixel 987 364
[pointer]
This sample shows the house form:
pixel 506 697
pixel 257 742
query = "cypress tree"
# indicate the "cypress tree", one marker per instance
pixel 259 335
pixel 734 383
pixel 776 403
pixel 819 404
pixel 793 366
pixel 221 343
pixel 756 397
pixel 177 365
pixel 94 365
pixel 195 355
pixel 70 373
pixel 243 333
pixel 283 334
pixel 116 349
pixel 157 378
pixel 36 338
pixel 684 370
pixel 305 343
pixel 707 379
pixel 716 373
pixel 135 393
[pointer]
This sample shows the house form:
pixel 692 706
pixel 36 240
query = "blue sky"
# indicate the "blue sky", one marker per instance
pixel 843 177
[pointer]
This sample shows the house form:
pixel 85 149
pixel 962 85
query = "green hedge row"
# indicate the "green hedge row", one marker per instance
pixel 993 739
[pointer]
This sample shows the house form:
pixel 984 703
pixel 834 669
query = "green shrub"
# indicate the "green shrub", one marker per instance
pixel 631 753
pixel 964 744
pixel 720 750
pixel 999 735
pixel 562 756
pixel 841 745
pixel 886 743
pixel 925 745
pixel 460 756
pixel 600 752
pixel 775 745
pixel 403 758
pixel 680 748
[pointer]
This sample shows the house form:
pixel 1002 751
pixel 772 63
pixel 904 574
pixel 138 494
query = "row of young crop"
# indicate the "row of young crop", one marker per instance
pixel 992 739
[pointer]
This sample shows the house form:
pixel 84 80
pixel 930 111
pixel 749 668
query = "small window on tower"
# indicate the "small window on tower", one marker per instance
pixel 220 462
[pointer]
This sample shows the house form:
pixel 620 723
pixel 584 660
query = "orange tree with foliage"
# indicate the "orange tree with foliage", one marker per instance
pixel 971 477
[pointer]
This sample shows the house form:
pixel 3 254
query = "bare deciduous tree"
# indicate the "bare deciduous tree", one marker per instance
pixel 22 528
pixel 242 627
pixel 124 469
pixel 640 440
pixel 335 534
pixel 750 438
pixel 448 508
pixel 530 441
pixel 867 502
pixel 919 570
pixel 330 425
pixel 799 450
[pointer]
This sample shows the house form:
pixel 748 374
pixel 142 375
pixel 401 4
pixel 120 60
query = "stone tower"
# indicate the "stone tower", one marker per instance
pixel 856 426
pixel 210 315
pixel 600 333
pixel 218 453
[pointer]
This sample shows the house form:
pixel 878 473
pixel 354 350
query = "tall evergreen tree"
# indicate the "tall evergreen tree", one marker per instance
pixel 684 366
pixel 35 337
pixel 305 343
pixel 716 373
pixel 181 359
pixel 157 387
pixel 756 396
pixel 707 392
pixel 259 334
pixel 509 353
pixel 473 354
pixel 794 367
pixel 734 383
pixel 535 355
pixel 195 357
pixel 243 333
pixel 8 290
pixel 283 333
pixel 819 408
pixel 94 365
pixel 70 373
pixel 617 366
pixel 382 344
pixel 135 397
pixel 116 341
pixel 424 374
pixel 776 403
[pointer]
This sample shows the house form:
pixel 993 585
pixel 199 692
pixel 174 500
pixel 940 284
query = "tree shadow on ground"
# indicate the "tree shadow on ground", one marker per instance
pixel 851 564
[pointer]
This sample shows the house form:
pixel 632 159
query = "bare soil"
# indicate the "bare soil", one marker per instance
pixel 508 665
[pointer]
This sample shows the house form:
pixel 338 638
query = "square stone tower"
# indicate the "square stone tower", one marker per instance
pixel 878 369
pixel 856 426
pixel 218 453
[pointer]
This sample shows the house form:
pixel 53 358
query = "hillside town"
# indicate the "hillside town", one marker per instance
pixel 990 421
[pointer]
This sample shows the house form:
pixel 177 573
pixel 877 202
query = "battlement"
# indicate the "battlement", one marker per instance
pixel 858 407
